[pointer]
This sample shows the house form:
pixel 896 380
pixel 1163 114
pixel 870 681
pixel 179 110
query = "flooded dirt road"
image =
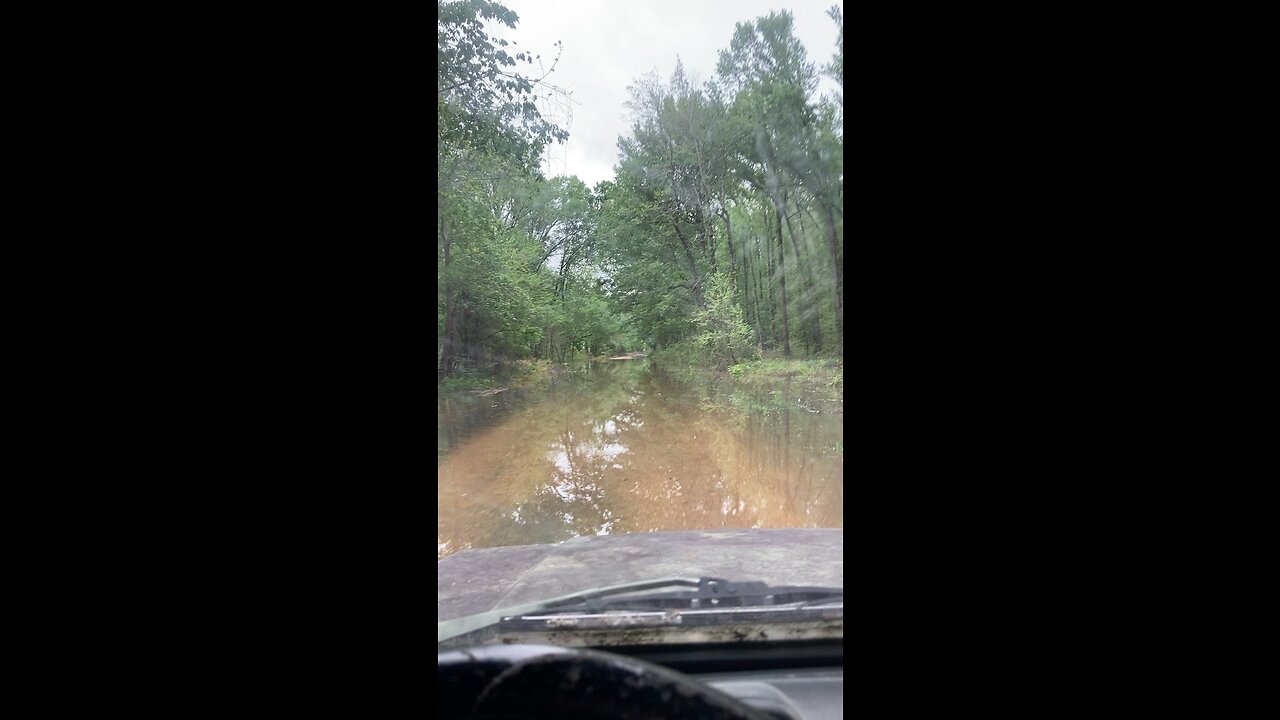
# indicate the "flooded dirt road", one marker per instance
pixel 623 447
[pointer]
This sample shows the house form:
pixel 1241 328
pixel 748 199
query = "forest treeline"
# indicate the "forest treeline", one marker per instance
pixel 722 231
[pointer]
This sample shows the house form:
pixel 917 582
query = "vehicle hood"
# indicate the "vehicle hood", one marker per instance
pixel 475 581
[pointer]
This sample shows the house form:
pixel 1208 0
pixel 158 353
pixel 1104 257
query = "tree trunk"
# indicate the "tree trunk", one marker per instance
pixel 733 260
pixel 709 244
pixel 771 269
pixel 782 282
pixel 449 355
pixel 811 327
pixel 837 277
pixel 771 183
pixel 693 266
pixel 747 313
pixel 759 299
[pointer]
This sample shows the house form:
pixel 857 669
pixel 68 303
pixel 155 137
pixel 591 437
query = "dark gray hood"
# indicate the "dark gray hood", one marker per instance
pixel 474 581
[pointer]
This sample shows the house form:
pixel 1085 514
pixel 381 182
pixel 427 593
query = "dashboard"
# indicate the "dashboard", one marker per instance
pixel 812 694
pixel 734 681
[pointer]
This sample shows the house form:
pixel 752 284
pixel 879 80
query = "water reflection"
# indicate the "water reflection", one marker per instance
pixel 625 448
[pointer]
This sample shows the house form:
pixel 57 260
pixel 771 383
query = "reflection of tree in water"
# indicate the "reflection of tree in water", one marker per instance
pixel 649 455
pixel 595 413
pixel 460 415
pixel 620 449
pixel 784 465
pixel 561 510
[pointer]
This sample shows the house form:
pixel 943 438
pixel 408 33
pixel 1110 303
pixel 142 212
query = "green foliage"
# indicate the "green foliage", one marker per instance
pixel 723 336
pixel 836 67
pixel 482 104
pixel 719 238
pixel 819 382
pixel 464 380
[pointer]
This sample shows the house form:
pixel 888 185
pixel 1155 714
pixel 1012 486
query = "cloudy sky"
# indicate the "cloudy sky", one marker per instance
pixel 609 43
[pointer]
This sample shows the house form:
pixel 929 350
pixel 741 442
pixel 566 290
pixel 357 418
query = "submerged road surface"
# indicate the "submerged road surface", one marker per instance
pixel 621 447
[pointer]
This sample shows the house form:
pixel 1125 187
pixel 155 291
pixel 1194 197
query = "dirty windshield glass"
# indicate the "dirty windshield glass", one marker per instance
pixel 640 318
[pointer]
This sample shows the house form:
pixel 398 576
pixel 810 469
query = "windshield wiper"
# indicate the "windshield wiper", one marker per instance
pixel 709 594
pixel 460 626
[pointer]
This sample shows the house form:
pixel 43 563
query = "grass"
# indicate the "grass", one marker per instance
pixel 518 374
pixel 819 381
pixel 465 380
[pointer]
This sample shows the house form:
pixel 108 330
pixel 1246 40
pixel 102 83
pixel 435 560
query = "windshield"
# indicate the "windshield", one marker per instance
pixel 640 327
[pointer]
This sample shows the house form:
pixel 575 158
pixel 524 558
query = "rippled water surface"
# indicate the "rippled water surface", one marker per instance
pixel 623 447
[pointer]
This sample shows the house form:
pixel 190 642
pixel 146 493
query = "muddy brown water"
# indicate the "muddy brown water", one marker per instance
pixel 622 447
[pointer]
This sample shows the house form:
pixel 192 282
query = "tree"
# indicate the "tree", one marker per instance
pixel 722 226
pixel 482 104
pixel 766 70
pixel 723 336
pixel 489 127
pixel 836 67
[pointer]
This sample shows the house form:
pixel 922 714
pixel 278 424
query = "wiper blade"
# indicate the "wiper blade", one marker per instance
pixel 460 626
pixel 708 594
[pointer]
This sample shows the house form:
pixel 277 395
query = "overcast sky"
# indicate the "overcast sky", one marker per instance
pixel 609 43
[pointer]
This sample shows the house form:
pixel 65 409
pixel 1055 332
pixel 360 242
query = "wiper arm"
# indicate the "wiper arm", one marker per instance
pixel 710 593
pixel 460 626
